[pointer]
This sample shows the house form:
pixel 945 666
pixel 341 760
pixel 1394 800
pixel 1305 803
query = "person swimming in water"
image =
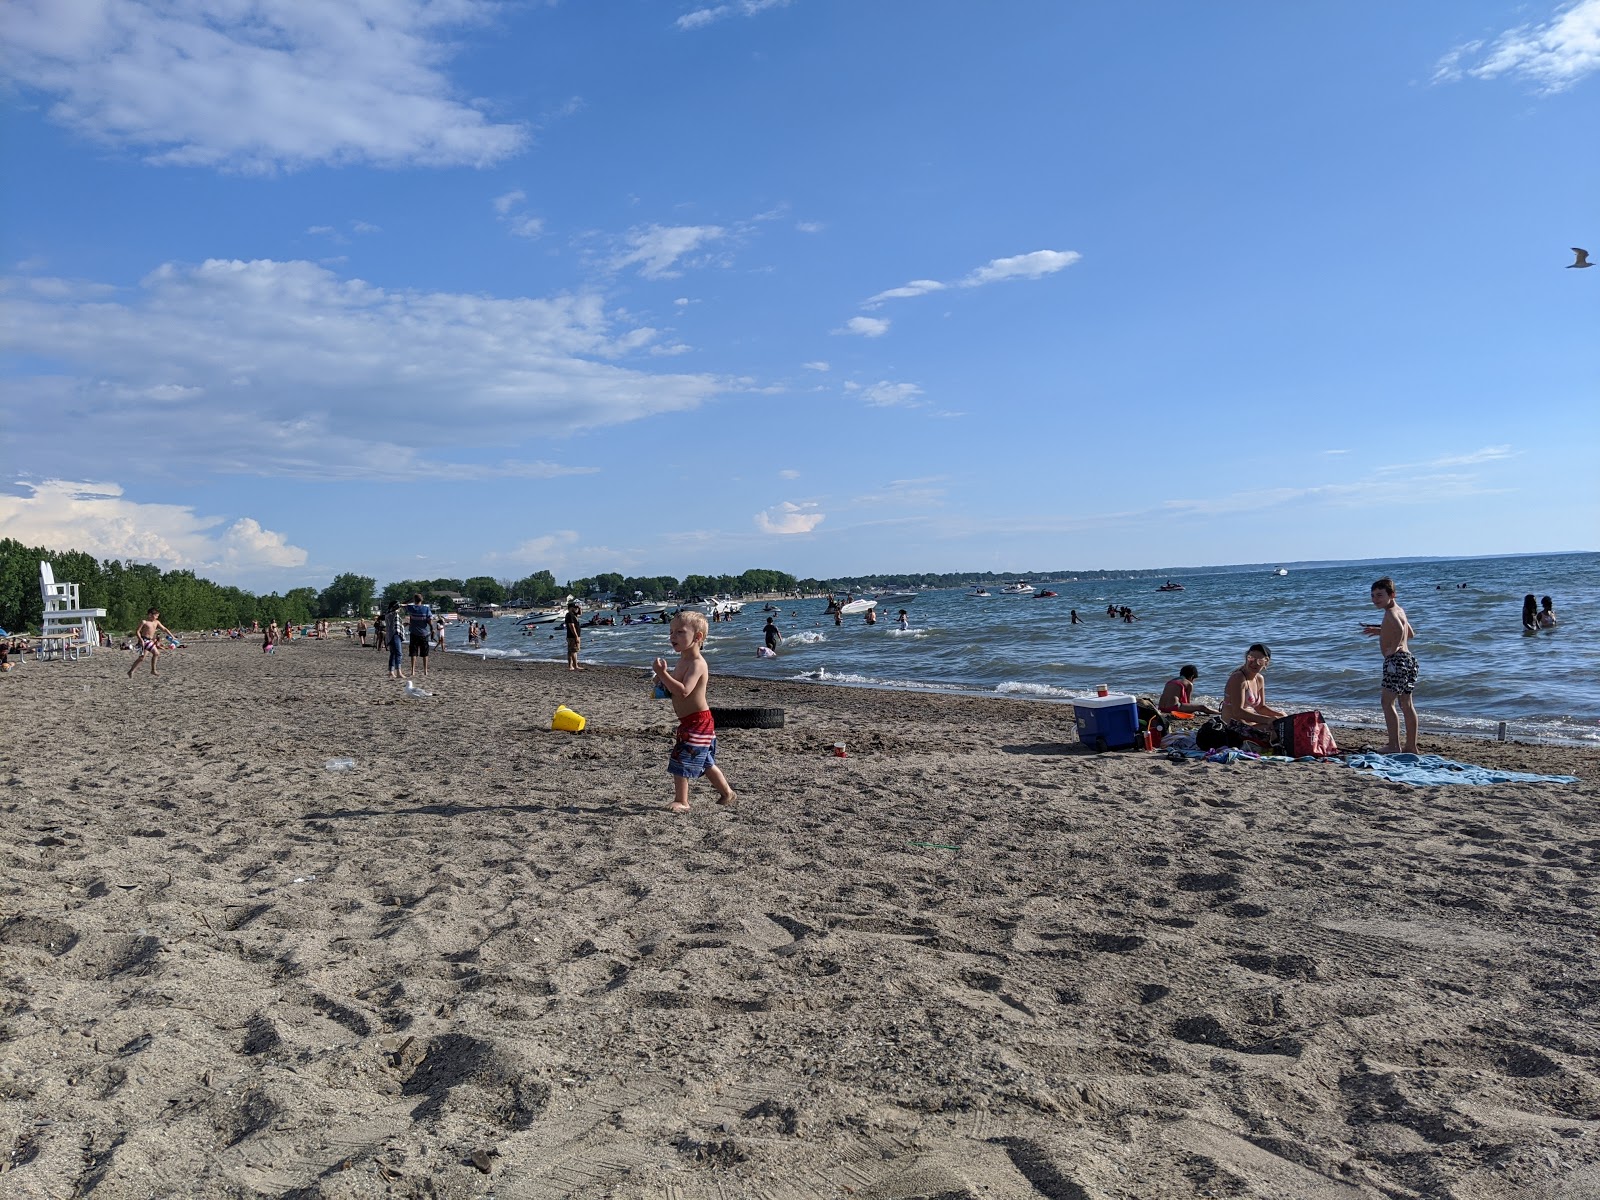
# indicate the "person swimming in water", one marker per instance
pixel 1547 613
pixel 1530 613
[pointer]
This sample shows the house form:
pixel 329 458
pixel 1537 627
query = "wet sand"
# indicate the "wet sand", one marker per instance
pixel 968 960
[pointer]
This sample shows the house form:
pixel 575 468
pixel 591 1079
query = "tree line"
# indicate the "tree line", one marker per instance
pixel 127 590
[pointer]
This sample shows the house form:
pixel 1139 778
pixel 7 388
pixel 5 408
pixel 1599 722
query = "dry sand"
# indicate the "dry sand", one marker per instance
pixel 486 962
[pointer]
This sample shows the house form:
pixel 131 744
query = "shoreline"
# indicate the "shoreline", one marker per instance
pixel 1427 727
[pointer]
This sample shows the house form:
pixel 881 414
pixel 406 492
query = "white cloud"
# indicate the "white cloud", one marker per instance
pixel 657 248
pixel 1554 56
pixel 884 394
pixel 527 227
pixel 809 226
pixel 788 474
pixel 503 204
pixel 365 227
pixel 865 326
pixel 284 368
pixel 563 554
pixel 917 287
pixel 787 518
pixel 702 17
pixel 816 366
pixel 96 518
pixel 1022 266
pixel 257 86
pixel 1470 459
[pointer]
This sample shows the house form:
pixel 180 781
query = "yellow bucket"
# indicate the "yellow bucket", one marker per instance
pixel 568 720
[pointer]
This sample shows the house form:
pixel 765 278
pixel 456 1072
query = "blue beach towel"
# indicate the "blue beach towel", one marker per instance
pixel 1425 770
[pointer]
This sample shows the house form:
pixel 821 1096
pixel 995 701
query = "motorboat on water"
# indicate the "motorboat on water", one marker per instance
pixel 1281 571
pixel 1047 594
pixel 649 609
pixel 552 617
pixel 894 597
pixel 979 593
pixel 1169 586
pixel 852 607
pixel 1020 588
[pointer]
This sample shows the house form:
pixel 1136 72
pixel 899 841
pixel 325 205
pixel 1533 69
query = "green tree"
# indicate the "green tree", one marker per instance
pixel 484 590
pixel 347 596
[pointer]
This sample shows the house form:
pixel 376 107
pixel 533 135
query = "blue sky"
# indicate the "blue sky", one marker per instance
pixel 421 288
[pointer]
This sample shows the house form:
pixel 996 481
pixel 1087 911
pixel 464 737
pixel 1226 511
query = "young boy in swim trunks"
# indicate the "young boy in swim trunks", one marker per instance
pixel 145 637
pixel 1399 667
pixel 695 752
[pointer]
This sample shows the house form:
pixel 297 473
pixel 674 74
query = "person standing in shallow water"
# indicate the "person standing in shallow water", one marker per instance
pixel 1530 613
pixel 1399 667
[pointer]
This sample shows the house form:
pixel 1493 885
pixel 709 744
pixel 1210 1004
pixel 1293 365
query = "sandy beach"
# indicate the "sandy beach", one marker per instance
pixel 968 960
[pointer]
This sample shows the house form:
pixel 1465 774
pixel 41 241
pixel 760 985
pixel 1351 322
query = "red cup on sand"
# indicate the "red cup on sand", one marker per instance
pixel 838 750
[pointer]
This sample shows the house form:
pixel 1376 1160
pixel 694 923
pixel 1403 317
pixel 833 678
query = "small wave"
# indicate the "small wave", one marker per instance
pixel 910 633
pixel 804 638
pixel 1014 688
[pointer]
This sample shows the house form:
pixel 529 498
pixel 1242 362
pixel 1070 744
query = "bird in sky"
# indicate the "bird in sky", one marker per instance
pixel 1583 258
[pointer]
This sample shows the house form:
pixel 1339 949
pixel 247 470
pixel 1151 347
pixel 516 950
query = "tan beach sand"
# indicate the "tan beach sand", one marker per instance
pixel 486 962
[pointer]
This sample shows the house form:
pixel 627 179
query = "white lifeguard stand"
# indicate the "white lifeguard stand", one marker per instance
pixel 69 630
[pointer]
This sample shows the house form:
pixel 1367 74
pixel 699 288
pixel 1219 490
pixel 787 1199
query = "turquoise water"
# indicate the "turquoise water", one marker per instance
pixel 1478 667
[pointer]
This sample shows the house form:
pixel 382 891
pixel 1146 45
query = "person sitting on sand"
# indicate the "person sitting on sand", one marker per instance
pixel 1244 699
pixel 1176 696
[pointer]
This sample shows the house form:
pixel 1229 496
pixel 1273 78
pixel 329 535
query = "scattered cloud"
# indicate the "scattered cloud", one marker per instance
pixel 1022 266
pixel 1553 56
pixel 809 226
pixel 816 366
pixel 365 227
pixel 789 473
pixel 520 224
pixel 788 518
pixel 1471 459
pixel 656 249
pixel 917 287
pixel 1336 452
pixel 902 494
pixel 702 17
pixel 1034 265
pixel 287 369
pixel 563 553
pixel 884 394
pixel 503 204
pixel 258 87
pixel 98 519
pixel 865 326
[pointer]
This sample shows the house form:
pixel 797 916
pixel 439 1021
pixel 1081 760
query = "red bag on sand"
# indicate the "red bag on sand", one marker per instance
pixel 1303 735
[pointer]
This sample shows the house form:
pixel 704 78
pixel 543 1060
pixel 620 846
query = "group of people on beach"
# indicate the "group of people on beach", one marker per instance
pixel 1244 697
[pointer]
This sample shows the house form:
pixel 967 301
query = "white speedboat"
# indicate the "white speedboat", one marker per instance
pixel 1020 588
pixel 979 593
pixel 646 610
pixel 1281 571
pixel 544 618
pixel 894 597
pixel 857 606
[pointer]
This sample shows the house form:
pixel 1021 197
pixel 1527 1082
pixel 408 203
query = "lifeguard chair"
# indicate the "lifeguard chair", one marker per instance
pixel 69 630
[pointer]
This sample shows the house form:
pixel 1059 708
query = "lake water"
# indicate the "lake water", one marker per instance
pixel 1478 667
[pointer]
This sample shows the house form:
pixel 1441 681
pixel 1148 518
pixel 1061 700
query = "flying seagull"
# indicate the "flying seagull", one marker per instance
pixel 1583 258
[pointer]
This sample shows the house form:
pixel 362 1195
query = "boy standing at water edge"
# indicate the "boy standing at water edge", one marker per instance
pixel 695 752
pixel 1399 667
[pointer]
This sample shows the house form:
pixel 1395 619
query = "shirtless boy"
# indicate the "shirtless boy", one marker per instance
pixel 147 639
pixel 1245 698
pixel 1399 667
pixel 695 752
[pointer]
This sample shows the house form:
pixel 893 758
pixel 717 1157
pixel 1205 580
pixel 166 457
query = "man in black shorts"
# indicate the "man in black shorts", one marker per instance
pixel 419 622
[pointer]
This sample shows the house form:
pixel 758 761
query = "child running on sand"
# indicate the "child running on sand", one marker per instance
pixel 146 639
pixel 695 752
pixel 1399 667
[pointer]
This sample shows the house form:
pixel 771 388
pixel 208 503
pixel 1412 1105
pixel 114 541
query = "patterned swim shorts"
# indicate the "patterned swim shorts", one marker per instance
pixel 1400 673
pixel 695 750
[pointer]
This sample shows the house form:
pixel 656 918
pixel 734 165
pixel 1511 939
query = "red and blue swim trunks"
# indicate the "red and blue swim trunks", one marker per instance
pixel 696 747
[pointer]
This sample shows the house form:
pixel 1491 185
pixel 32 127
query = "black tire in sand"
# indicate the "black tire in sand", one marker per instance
pixel 748 718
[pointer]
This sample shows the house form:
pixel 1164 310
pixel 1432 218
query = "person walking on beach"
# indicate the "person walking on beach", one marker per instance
pixel 419 623
pixel 1399 667
pixel 147 636
pixel 574 634
pixel 393 637
pixel 269 639
pixel 694 753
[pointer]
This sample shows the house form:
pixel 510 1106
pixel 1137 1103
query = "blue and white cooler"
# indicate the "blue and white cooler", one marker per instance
pixel 1107 722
